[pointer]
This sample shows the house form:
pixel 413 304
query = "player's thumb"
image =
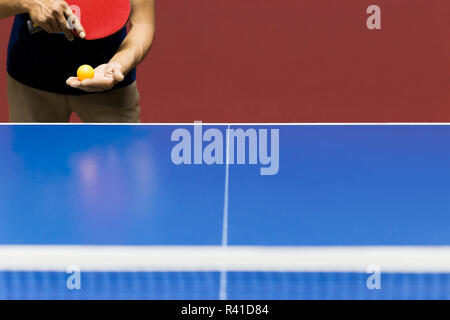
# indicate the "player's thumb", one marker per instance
pixel 118 75
pixel 117 72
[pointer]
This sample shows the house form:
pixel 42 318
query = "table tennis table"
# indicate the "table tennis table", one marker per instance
pixel 109 200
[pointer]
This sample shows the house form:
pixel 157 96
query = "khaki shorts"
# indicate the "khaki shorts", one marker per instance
pixel 27 104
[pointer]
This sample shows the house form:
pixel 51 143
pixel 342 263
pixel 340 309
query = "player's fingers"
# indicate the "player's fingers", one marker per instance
pixel 98 85
pixel 74 23
pixel 54 26
pixel 108 69
pixel 71 79
pixel 47 27
pixel 64 26
pixel 118 76
pixel 73 82
pixel 93 83
pixel 117 73
pixel 114 71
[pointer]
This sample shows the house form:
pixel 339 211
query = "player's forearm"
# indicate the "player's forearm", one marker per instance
pixel 9 8
pixel 135 47
pixel 140 37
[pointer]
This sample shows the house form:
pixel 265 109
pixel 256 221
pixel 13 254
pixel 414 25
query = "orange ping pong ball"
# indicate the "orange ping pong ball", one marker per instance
pixel 85 72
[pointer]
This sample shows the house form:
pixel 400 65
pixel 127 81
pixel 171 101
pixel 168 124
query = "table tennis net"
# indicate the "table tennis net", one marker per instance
pixel 214 273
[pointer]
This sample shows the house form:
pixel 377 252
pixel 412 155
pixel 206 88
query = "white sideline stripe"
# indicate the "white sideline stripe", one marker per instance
pixel 215 258
pixel 239 124
pixel 223 273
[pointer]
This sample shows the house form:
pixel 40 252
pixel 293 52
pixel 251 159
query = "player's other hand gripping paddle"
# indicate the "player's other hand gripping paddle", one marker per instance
pixel 88 19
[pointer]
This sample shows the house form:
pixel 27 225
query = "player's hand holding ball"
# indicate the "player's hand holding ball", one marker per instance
pixel 103 78
pixel 53 16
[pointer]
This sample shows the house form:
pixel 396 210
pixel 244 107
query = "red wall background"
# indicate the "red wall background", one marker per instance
pixel 292 60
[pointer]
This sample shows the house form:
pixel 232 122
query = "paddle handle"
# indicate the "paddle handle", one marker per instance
pixel 32 27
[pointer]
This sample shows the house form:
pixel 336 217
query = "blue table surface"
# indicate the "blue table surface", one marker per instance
pixel 117 185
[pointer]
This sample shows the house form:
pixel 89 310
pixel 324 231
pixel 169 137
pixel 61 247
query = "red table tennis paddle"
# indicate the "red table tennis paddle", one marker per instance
pixel 99 18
